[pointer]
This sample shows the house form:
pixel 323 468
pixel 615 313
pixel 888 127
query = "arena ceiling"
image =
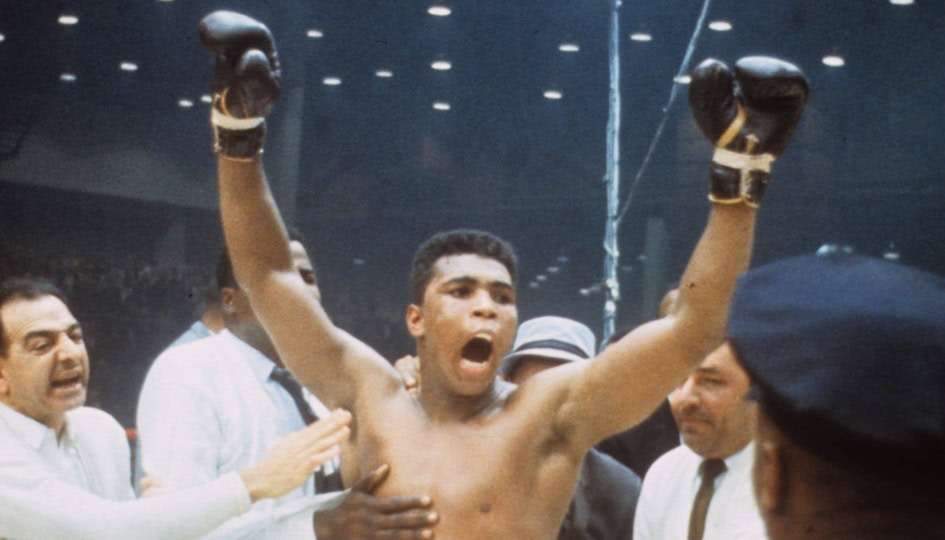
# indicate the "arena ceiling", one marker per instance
pixel 379 162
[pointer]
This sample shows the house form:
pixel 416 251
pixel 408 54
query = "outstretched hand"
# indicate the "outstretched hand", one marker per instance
pixel 362 515
pixel 293 459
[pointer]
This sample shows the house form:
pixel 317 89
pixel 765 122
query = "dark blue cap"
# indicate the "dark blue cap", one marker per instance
pixel 848 355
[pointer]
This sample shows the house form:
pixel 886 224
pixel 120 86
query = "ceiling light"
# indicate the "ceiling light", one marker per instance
pixel 569 47
pixel 441 65
pixel 129 66
pixel 553 94
pixel 384 73
pixel 67 77
pixel 833 60
pixel 682 79
pixel 68 20
pixel 902 2
pixel 720 26
pixel 641 36
pixel 314 33
pixel 541 277
pixel 165 0
pixel 2 37
pixel 331 81
pixel 439 10
pixel 532 285
pixel 206 98
pixel 441 105
pixel 184 102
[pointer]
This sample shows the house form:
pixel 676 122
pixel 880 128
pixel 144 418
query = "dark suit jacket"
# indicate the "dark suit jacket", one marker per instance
pixel 605 500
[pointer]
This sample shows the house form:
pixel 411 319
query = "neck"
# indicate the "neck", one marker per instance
pixel 441 405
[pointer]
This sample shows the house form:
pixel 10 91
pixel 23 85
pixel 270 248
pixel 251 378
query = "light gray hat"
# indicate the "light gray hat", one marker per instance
pixel 552 338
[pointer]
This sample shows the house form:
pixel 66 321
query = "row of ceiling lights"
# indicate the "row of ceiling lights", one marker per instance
pixel 441 10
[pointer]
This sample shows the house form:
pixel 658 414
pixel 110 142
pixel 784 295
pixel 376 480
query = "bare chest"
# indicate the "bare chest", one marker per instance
pixel 487 479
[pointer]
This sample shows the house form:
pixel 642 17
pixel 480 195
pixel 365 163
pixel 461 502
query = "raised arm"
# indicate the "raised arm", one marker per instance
pixel 247 82
pixel 749 116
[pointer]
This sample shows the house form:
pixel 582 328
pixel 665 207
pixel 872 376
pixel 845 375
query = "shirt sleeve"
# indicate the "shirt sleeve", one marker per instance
pixel 51 508
pixel 291 520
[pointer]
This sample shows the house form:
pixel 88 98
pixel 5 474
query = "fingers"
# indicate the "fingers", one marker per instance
pixel 371 481
pixel 416 524
pixel 409 368
pixel 403 505
pixel 150 485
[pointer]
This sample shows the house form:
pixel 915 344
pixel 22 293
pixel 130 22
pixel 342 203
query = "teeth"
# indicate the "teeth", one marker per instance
pixel 483 336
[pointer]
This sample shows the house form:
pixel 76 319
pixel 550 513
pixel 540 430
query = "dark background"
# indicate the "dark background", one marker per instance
pixel 108 186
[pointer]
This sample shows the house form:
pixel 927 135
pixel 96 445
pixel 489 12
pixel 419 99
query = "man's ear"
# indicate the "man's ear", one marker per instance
pixel 414 317
pixel 4 383
pixel 226 300
pixel 770 479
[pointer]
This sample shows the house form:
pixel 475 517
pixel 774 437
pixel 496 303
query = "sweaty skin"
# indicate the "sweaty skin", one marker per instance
pixel 499 461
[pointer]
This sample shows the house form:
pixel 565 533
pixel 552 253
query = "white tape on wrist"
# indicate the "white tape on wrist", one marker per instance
pixel 743 162
pixel 219 119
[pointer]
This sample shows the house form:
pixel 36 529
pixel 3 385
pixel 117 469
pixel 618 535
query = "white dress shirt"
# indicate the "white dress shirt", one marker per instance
pixel 670 487
pixel 79 486
pixel 208 408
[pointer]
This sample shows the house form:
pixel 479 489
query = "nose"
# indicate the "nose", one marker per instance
pixel 484 305
pixel 68 351
pixel 685 394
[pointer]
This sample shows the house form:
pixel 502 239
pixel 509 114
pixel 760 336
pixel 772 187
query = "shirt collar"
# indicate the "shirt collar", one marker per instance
pixel 259 364
pixel 30 431
pixel 742 458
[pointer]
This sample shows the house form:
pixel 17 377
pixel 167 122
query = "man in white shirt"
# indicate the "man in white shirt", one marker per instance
pixel 212 406
pixel 680 499
pixel 64 468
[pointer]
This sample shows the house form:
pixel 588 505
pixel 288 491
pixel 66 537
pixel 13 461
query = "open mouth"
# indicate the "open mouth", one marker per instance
pixel 478 349
pixel 67 383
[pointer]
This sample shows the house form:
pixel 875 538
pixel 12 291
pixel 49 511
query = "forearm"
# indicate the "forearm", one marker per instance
pixel 255 234
pixel 708 282
pixel 55 509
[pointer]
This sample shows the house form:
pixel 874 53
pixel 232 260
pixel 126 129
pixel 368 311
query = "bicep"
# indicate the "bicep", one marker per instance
pixel 628 380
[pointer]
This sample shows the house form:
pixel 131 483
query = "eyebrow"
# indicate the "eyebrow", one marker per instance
pixel 708 371
pixel 49 332
pixel 468 280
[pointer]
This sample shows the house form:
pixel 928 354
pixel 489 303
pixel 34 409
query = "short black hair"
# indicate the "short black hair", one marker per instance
pixel 457 242
pixel 24 288
pixel 225 276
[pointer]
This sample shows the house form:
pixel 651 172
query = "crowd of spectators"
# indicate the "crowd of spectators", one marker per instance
pixel 131 308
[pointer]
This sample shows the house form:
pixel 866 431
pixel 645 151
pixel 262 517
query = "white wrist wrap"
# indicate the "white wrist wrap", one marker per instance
pixel 219 119
pixel 743 162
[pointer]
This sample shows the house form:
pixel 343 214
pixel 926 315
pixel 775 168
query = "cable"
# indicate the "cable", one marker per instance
pixel 683 69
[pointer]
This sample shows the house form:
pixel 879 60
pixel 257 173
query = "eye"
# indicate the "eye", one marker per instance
pixel 40 346
pixel 76 336
pixel 308 276
pixel 505 298
pixel 461 291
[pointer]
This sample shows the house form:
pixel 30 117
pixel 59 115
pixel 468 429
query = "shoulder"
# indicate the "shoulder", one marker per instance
pixel 192 358
pixel 95 425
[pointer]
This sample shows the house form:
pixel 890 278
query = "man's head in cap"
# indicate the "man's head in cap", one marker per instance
pixel 848 356
pixel 545 342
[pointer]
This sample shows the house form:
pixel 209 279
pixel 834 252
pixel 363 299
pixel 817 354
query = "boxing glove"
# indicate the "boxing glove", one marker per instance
pixel 749 116
pixel 247 81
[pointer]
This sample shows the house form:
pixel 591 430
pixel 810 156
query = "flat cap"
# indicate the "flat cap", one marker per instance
pixel 551 338
pixel 848 355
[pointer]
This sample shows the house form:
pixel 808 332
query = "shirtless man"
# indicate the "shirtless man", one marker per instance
pixel 498 461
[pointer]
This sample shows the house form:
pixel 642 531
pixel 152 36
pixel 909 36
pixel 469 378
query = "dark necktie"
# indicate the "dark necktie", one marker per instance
pixel 711 468
pixel 323 482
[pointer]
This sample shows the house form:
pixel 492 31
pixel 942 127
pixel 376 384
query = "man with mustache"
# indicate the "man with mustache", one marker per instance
pixel 716 422
pixel 64 468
